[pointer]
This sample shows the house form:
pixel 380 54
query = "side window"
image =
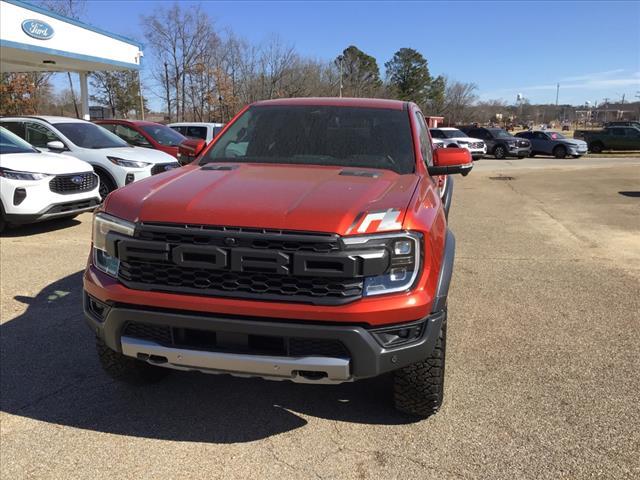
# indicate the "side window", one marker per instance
pixel 540 136
pixel 130 136
pixel 425 144
pixel 478 133
pixel 436 133
pixel 618 132
pixel 39 135
pixel 179 129
pixel 197 132
pixel 16 127
pixel 109 126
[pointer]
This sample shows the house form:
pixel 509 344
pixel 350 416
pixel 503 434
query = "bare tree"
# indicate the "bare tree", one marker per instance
pixel 459 97
pixel 179 37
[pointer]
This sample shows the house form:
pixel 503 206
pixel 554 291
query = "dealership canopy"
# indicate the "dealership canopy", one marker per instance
pixel 33 39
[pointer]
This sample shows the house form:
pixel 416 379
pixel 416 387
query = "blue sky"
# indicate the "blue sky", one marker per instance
pixel 591 48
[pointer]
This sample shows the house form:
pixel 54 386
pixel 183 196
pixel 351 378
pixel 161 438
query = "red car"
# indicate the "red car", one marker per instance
pixel 155 135
pixel 309 242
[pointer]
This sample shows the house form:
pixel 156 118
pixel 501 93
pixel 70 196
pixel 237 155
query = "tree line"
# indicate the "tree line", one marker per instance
pixel 201 73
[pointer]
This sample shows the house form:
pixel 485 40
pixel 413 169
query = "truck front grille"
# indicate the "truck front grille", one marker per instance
pixel 165 276
pixel 235 343
pixel 245 263
pixel 74 183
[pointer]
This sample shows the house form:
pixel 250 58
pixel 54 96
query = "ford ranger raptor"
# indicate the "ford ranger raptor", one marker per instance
pixel 308 242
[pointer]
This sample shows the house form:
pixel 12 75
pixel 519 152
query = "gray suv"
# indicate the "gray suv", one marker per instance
pixel 553 143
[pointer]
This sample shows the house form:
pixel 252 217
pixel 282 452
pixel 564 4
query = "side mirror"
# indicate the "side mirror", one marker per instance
pixel 447 161
pixel 56 145
pixel 190 149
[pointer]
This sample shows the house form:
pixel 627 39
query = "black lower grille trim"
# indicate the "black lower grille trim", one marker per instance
pixel 240 343
pixel 72 206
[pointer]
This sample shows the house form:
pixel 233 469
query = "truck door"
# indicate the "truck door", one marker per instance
pixel 631 138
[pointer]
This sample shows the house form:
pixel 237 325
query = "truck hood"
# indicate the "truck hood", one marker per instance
pixel 287 197
pixel 52 163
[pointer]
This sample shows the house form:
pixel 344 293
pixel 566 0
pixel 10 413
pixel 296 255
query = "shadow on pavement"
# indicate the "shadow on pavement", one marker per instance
pixel 49 371
pixel 632 194
pixel 40 227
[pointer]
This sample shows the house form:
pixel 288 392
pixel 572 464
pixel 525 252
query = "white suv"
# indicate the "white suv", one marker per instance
pixel 37 186
pixel 456 138
pixel 203 130
pixel 115 161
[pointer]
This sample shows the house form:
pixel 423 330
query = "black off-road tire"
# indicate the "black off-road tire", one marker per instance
pixel 419 387
pixel 126 369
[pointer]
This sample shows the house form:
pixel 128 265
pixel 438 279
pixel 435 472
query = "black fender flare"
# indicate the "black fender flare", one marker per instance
pixel 446 271
pixel 448 195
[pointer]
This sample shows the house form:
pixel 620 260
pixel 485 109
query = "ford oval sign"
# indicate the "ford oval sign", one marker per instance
pixel 37 29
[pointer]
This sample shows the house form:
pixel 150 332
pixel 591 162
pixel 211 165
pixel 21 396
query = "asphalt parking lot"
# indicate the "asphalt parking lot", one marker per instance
pixel 543 358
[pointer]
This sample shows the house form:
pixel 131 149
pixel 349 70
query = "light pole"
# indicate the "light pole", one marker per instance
pixel 340 59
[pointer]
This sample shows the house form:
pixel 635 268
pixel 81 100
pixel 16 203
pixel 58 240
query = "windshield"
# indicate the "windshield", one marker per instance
pixel 89 135
pixel 499 133
pixel 11 143
pixel 164 135
pixel 319 135
pixel 454 133
pixel 555 135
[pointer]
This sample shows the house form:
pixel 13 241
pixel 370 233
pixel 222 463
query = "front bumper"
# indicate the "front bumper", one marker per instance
pixel 366 357
pixel 59 210
pixel 519 151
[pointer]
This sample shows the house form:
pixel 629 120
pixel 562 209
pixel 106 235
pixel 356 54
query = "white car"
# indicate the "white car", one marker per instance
pixel 36 186
pixel 454 137
pixel 114 160
pixel 203 130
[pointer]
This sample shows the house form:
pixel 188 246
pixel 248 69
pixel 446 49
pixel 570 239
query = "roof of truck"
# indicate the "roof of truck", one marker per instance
pixel 338 102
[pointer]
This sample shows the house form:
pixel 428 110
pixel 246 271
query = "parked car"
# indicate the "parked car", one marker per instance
pixel 151 135
pixel 500 143
pixel 553 143
pixel 114 160
pixel 455 137
pixel 308 243
pixel 203 130
pixel 622 123
pixel 36 186
pixel 610 138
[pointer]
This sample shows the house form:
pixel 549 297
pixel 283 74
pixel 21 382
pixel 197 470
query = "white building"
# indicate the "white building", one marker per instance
pixel 35 39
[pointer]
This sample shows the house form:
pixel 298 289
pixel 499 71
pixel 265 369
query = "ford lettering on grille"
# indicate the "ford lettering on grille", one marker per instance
pixel 206 257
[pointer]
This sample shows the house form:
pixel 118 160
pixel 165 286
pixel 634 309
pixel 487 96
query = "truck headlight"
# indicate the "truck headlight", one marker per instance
pixel 121 162
pixel 405 258
pixel 102 225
